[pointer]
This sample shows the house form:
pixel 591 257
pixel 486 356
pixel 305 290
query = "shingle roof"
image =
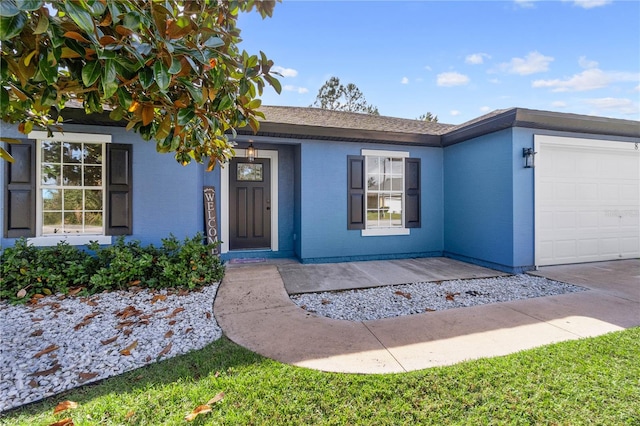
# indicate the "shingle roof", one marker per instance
pixel 318 117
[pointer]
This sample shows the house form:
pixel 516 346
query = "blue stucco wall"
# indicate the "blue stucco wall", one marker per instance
pixel 323 204
pixel 167 197
pixel 478 200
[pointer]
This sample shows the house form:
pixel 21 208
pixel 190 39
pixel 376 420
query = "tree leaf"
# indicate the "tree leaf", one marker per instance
pixel 64 422
pixel 146 77
pixel 185 115
pixel 109 80
pixel 64 406
pixel 79 15
pixel 201 409
pixel 91 73
pixel 8 8
pixel 11 26
pixel 161 74
pixel 76 36
pixel 30 4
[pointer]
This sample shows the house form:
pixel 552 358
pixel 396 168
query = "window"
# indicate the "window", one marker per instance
pixel 73 187
pixel 383 192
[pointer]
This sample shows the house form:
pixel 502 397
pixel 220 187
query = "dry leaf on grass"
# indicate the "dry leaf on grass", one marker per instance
pixel 45 351
pixel 64 422
pixel 64 406
pixel 201 409
pixel 216 398
pixel 127 351
pixel 129 414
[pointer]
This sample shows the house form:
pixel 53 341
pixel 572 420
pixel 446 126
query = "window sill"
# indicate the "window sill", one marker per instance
pixel 73 240
pixel 385 232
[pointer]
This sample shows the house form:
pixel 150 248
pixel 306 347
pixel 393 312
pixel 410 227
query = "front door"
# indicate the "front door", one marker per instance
pixel 249 204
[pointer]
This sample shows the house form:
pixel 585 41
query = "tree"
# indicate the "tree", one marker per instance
pixel 171 69
pixel 428 117
pixel 333 95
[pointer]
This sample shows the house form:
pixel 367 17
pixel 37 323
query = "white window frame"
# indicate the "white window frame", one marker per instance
pixel 366 153
pixel 71 239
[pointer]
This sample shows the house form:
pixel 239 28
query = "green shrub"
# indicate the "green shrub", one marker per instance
pixel 27 270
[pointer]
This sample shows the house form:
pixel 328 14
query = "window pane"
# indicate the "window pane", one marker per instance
pixel 373 183
pixel 52 223
pixel 249 172
pixel 72 222
pixel 72 175
pixel 72 152
pixel 396 166
pixel 93 176
pixel 373 165
pixel 93 222
pixel 50 174
pixel 51 199
pixel 73 199
pixel 393 203
pixel 93 199
pixel 397 184
pixel 93 153
pixel 50 152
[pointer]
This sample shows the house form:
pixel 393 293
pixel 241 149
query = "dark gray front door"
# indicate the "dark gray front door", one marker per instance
pixel 249 203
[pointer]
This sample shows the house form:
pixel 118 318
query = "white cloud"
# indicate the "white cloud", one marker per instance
pixel 476 58
pixel 614 105
pixel 559 104
pixel 454 112
pixel 590 4
pixel 585 63
pixel 526 3
pixel 427 67
pixel 485 109
pixel 589 79
pixel 286 72
pixel 404 80
pixel 637 88
pixel 290 88
pixel 534 62
pixel 494 81
pixel 449 79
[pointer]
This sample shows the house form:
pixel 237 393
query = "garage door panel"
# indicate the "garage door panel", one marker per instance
pixel 587 200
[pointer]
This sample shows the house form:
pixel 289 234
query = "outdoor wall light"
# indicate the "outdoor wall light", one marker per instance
pixel 529 160
pixel 251 152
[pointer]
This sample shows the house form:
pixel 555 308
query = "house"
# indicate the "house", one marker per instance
pixel 328 186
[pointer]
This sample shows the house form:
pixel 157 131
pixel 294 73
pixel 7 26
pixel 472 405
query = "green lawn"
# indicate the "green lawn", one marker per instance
pixel 589 381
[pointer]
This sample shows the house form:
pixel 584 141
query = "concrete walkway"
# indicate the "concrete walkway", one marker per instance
pixel 254 310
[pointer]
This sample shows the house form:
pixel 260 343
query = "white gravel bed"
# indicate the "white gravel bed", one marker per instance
pixel 64 342
pixel 406 299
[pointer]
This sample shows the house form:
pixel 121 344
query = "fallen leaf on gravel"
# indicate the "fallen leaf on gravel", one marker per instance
pixel 158 297
pixel 451 296
pixel 325 301
pixel 111 340
pixel 45 351
pixel 64 422
pixel 201 409
pixel 172 322
pixel 79 325
pixel 87 376
pixel 91 302
pixel 38 296
pixel 136 282
pixel 403 294
pixel 160 310
pixel 429 310
pixel 64 406
pixel 166 350
pixel 129 311
pixel 123 324
pixel 216 398
pixel 127 331
pixel 127 351
pixel 183 292
pixel 37 333
pixel 90 316
pixel 51 370
pixel 33 384
pixel 208 314
pixel 168 334
pixel 188 330
pixel 37 319
pixel 175 312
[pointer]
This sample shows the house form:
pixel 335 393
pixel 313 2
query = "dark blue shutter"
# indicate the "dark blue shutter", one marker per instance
pixel 119 214
pixel 355 192
pixel 20 191
pixel 412 197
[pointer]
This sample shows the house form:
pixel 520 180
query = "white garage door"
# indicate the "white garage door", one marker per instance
pixel 587 200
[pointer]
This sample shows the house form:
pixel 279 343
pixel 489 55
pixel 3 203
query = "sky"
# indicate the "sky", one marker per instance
pixel 456 59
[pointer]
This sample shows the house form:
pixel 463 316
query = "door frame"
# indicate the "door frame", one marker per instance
pixel 272 155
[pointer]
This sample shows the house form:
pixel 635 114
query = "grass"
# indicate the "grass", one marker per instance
pixel 588 381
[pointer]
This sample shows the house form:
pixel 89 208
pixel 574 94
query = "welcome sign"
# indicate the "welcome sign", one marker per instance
pixel 211 219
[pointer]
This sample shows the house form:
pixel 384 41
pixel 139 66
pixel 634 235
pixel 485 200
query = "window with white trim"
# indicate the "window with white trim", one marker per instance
pixel 383 190
pixel 71 187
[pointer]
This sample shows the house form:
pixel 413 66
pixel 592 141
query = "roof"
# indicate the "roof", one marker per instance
pixel 322 124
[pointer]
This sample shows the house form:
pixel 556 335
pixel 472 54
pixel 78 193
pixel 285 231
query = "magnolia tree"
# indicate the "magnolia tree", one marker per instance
pixel 170 69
